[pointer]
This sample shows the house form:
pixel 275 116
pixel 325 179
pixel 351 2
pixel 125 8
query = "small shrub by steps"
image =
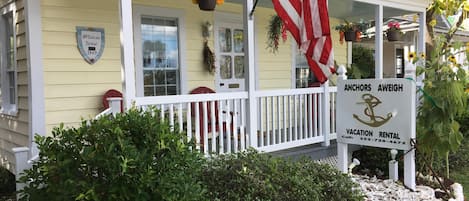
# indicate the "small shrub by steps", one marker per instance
pixel 254 176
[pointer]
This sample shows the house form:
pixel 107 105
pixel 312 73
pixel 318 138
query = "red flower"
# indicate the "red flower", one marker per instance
pixel 394 26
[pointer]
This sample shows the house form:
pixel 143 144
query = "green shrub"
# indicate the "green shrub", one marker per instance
pixel 460 159
pixel 363 62
pixel 375 161
pixel 253 176
pixel 7 182
pixel 133 156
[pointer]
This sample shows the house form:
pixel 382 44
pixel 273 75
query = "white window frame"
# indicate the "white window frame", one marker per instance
pixel 6 106
pixel 138 12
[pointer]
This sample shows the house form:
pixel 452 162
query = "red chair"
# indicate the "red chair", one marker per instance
pixel 112 93
pixel 211 134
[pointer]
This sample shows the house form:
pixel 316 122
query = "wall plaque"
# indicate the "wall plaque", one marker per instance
pixel 90 43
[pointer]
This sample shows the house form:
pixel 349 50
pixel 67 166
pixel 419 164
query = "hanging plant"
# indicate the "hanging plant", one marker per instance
pixel 209 58
pixel 208 5
pixel 275 29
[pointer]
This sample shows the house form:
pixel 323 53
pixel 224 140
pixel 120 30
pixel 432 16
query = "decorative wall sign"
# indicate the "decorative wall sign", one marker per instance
pixel 90 43
pixel 378 113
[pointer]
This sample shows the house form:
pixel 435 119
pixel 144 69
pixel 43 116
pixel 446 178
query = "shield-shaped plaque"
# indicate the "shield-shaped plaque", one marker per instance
pixel 90 42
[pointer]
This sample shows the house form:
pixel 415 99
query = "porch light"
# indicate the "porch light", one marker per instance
pixel 208 5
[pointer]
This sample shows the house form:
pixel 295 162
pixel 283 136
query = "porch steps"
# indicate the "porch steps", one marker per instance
pixel 321 154
pixel 313 151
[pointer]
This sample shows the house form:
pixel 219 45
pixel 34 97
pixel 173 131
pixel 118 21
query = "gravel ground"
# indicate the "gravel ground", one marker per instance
pixel 387 190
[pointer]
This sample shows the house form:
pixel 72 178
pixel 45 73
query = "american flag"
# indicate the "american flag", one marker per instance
pixel 308 22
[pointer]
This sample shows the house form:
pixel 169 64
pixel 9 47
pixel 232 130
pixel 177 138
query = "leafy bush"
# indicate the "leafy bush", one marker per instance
pixel 374 161
pixel 133 156
pixel 253 176
pixel 363 62
pixel 460 159
pixel 7 182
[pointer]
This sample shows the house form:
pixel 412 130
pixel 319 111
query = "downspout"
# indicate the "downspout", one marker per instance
pixel 33 20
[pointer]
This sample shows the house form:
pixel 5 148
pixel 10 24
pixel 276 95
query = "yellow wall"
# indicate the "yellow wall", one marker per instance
pixel 14 129
pixel 74 88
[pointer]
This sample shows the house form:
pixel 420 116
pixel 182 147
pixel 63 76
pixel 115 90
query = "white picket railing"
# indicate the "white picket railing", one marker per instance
pixel 287 118
pixel 215 121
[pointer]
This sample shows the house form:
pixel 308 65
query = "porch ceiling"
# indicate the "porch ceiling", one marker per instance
pixel 350 10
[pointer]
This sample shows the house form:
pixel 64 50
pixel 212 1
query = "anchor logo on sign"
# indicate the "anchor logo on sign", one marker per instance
pixel 374 120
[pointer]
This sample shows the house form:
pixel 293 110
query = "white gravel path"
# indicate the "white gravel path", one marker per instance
pixel 387 190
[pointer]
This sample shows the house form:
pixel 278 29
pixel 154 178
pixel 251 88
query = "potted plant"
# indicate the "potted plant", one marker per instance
pixel 208 5
pixel 350 31
pixel 393 33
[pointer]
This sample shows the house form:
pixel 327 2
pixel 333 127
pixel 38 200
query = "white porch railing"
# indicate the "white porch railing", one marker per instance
pixel 215 121
pixel 287 118
pixel 293 117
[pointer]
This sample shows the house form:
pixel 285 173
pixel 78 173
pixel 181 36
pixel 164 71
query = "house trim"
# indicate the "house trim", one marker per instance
pixel 8 108
pixel 35 70
pixel 139 11
pixel 127 51
pixel 409 6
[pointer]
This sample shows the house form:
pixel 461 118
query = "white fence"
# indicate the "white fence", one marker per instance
pixel 217 122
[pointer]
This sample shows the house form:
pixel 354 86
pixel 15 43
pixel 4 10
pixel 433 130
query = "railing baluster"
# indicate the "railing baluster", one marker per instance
pixel 320 116
pixel 284 118
pixel 212 124
pixel 279 134
pixel 243 133
pixel 221 134
pixel 305 119
pixel 189 121
pixel 205 126
pixel 295 106
pixel 171 116
pixel 197 124
pixel 310 115
pixel 228 130
pixel 234 125
pixel 261 123
pixel 301 116
pixel 290 120
pixel 180 119
pixel 274 136
pixel 162 112
pixel 267 120
pixel 333 122
pixel 315 114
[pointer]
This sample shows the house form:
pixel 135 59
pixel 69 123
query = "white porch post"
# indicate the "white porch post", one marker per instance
pixel 127 51
pixel 249 67
pixel 342 148
pixel 21 161
pixel 35 71
pixel 379 42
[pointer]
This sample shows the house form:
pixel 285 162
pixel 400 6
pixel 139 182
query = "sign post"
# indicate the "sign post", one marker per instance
pixel 377 113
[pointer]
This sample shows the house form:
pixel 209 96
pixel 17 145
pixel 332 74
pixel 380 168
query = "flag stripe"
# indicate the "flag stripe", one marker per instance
pixel 290 17
pixel 322 10
pixel 308 22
